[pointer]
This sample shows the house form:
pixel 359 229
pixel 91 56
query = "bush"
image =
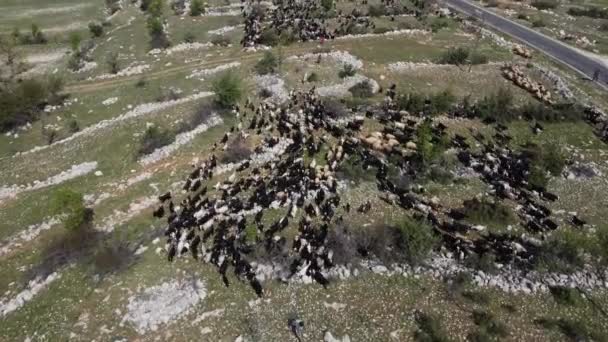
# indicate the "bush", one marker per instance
pixel 560 112
pixel 141 82
pixel 327 5
pixel 429 329
pixel 158 37
pixel 604 27
pixel 189 37
pixel 22 102
pixel 438 24
pixel 37 36
pixel 488 326
pixel 495 107
pixel 347 71
pixel 71 203
pixel 522 16
pixel 544 4
pixel 454 56
pixel 487 212
pixel 168 94
pixel 574 330
pixel 313 77
pixel 268 64
pixel 429 148
pixel 269 37
pixel 228 90
pixel 417 239
pixel 476 58
pixel 352 169
pixel 113 256
pixel 237 151
pixel 565 295
pixel 538 23
pixel 376 10
pixel 547 157
pixel 154 138
pixel 96 30
pixel 382 29
pixel 201 114
pixel 197 7
pixel 363 89
pixel 73 126
pixel 220 40
pixel 343 244
pixel 112 62
pixel 592 12
pixel 565 251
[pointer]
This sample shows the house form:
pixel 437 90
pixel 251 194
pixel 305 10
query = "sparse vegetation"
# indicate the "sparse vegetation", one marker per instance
pixel 487 212
pixel 154 138
pixel 347 71
pixel 95 29
pixel 197 7
pixel 71 204
pixel 228 89
pixel 113 63
pixel 268 64
pixel 544 4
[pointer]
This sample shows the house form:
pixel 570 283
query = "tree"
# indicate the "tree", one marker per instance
pixel 75 40
pixel 112 61
pixel 96 29
pixel 268 64
pixel 328 5
pixel 197 7
pixel 71 203
pixel 228 89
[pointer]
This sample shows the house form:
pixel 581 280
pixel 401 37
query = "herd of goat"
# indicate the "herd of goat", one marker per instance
pixel 300 187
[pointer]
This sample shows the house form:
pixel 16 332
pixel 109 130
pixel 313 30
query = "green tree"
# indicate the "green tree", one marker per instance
pixel 197 7
pixel 268 64
pixel 228 89
pixel 70 203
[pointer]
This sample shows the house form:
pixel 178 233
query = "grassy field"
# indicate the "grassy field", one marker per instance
pixel 86 304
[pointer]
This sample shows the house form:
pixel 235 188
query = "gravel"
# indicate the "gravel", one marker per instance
pixel 74 172
pixel 164 303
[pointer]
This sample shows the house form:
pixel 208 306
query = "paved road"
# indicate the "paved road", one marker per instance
pixel 559 51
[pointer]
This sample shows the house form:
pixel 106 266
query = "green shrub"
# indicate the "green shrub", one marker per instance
pixel 487 212
pixel 363 89
pixel 437 24
pixel 565 250
pixel 376 10
pixel 268 64
pixel 522 16
pixel 347 71
pixel 73 126
pixel 37 36
pixel 429 329
pixel 312 77
pixel 592 12
pixel 565 295
pixel 22 102
pixel 158 37
pixel 141 82
pixel 269 37
pixel 548 157
pixel 476 58
pixel 189 37
pixel 352 169
pixel 538 23
pixel 488 326
pixel 574 330
pixel 96 30
pixel 429 148
pixel 153 139
pixel 416 239
pixel 113 63
pixel 604 27
pixel 197 7
pixel 495 107
pixel 228 89
pixel 544 4
pixel 455 56
pixel 220 40
pixel 327 5
pixel 70 203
